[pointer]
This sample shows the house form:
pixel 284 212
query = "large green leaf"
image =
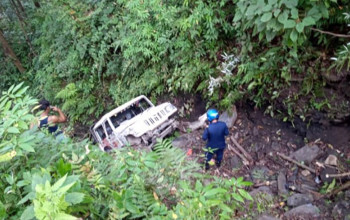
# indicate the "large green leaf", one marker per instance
pixel 290 3
pixel 266 17
pixel 74 198
pixel 64 216
pixel 300 27
pixel 251 10
pixel 214 191
pixel 13 130
pixel 59 183
pixel 294 36
pixel 308 21
pixel 245 194
pixel 26 147
pixel 289 24
pixel 283 17
pixel 238 197
pixel 2 211
pixel 295 13
pixel 28 213
pixel 29 196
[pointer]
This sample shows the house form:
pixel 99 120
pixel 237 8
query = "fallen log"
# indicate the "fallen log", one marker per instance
pixel 337 175
pixel 245 161
pixel 295 162
pixel 242 149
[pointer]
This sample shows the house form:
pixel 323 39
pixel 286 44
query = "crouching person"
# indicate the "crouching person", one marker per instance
pixel 50 121
pixel 214 134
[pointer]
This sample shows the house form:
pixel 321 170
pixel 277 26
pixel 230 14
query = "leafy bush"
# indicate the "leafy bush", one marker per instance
pixel 272 18
pixel 93 55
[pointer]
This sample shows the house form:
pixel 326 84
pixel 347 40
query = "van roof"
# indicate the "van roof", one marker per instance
pixel 118 109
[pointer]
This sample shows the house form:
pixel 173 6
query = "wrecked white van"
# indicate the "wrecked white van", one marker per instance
pixel 136 123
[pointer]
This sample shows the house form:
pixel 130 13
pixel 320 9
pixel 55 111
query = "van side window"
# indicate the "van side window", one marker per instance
pixel 101 132
pixel 108 128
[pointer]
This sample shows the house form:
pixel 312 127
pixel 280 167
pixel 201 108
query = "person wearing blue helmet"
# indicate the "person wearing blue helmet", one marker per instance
pixel 214 134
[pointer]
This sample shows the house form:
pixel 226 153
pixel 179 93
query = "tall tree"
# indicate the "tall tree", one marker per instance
pixel 9 52
pixel 21 7
pixel 19 10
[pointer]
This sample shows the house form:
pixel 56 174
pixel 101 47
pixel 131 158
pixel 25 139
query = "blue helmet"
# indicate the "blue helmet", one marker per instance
pixel 212 114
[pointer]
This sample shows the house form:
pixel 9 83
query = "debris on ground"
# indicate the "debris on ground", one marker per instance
pixel 287 186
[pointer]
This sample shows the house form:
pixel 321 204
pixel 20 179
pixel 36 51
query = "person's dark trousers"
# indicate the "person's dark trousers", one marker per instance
pixel 219 155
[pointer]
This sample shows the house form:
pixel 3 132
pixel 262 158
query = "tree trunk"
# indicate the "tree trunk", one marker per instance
pixel 9 52
pixel 17 11
pixel 23 25
pixel 21 7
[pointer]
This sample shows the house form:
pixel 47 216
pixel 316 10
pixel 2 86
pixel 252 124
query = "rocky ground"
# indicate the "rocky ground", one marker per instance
pixel 282 189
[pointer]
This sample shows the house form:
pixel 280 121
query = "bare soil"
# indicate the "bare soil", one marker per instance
pixel 262 136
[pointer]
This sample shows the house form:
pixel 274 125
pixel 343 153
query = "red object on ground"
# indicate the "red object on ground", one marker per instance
pixel 189 152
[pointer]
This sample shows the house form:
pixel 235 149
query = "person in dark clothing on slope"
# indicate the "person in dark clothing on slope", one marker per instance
pixel 50 121
pixel 214 134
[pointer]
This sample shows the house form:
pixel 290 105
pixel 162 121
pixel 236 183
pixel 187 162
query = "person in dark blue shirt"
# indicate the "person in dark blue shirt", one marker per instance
pixel 215 134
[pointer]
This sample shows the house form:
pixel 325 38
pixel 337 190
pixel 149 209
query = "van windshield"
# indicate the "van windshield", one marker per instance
pixel 130 112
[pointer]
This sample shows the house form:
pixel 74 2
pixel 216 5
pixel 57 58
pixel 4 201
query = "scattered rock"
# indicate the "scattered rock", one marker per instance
pixel 255 131
pixel 303 212
pixel 305 173
pixel 265 121
pixel 341 210
pixel 180 141
pixel 306 153
pixel 235 162
pixel 260 173
pixel 299 199
pixel 187 141
pixel 229 117
pixel 267 217
pixel 199 123
pixel 281 183
pixel 264 192
pixel 257 147
pixel 347 194
pixel 331 160
pixel 275 146
pixel 328 170
pixel 305 188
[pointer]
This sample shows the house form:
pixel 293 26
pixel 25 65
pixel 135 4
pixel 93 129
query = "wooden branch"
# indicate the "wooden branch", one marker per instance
pixel 337 175
pixel 336 191
pixel 330 33
pixel 9 52
pixel 296 162
pixel 245 161
pixel 242 149
pixel 266 183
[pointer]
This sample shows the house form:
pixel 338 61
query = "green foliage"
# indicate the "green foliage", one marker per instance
pixel 219 198
pixel 275 18
pixel 328 187
pixel 90 56
pixel 51 202
pixel 15 112
pixel 342 61
pixel 124 49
